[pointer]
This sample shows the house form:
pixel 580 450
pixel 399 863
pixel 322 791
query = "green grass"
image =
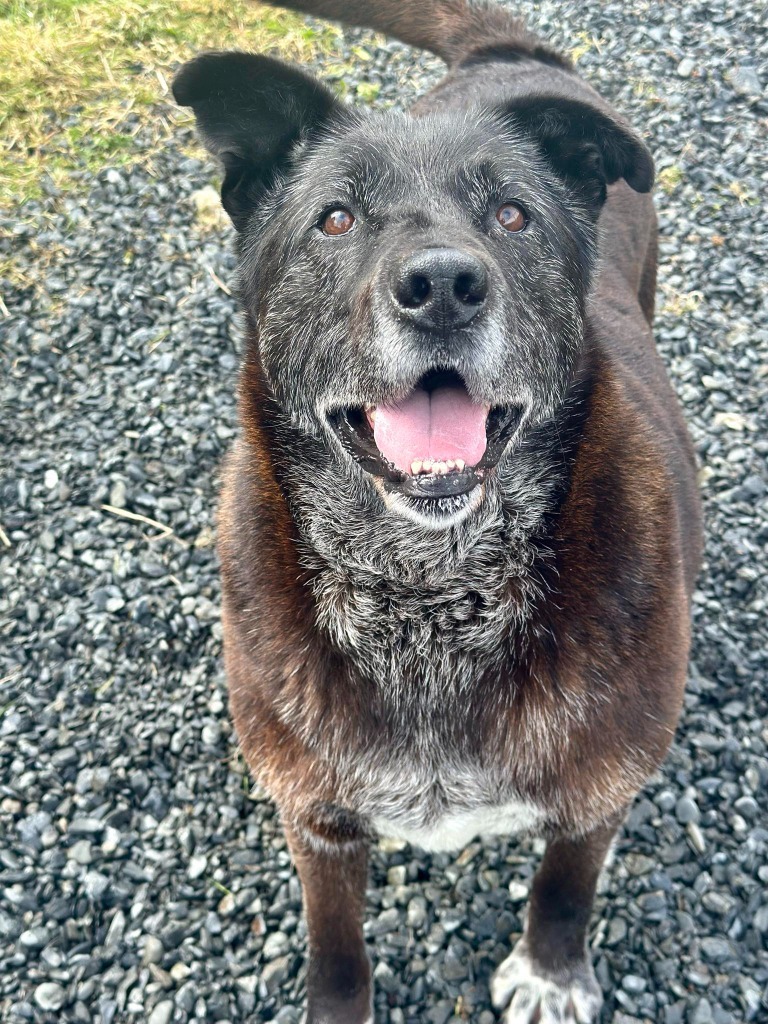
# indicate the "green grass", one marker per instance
pixel 72 73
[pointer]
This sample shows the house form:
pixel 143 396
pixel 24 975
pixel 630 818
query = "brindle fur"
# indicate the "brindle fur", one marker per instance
pixel 536 650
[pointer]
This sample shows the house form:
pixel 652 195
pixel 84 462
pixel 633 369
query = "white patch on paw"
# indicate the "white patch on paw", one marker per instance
pixel 530 996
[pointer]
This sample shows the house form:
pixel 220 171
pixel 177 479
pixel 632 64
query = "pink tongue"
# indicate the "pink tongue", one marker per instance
pixel 438 425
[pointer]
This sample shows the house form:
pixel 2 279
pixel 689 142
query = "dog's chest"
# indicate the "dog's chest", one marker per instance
pixel 427 654
pixel 428 639
pixel 435 797
pixel 455 828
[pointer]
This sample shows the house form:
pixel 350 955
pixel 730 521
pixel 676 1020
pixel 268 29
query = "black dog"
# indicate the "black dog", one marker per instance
pixel 460 529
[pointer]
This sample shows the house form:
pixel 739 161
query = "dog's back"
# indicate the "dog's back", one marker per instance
pixel 452 29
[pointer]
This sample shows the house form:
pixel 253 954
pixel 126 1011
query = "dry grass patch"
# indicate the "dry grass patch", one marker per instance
pixel 677 303
pixel 72 72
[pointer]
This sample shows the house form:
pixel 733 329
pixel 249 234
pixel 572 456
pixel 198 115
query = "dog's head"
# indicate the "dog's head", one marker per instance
pixel 416 286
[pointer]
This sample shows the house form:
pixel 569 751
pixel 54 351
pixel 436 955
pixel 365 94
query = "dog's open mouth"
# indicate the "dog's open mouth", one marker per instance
pixel 435 442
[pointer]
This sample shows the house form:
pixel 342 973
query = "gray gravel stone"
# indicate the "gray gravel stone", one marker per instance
pixel 686 811
pixel 716 950
pixel 162 1012
pixel 701 1012
pixel 95 884
pixel 50 996
pixel 153 950
pixel 633 983
pixel 274 974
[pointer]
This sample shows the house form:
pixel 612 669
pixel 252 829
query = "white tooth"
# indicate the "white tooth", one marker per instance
pixel 440 469
pixel 426 466
pixel 450 464
pixel 460 465
pixel 416 467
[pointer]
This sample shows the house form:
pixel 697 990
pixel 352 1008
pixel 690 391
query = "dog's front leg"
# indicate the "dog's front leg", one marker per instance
pixel 549 976
pixel 333 875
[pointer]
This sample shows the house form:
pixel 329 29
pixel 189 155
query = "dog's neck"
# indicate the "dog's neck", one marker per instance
pixel 407 603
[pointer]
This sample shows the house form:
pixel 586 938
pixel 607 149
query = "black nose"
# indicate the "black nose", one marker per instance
pixel 440 289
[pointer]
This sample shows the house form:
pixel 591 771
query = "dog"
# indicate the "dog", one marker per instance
pixel 460 528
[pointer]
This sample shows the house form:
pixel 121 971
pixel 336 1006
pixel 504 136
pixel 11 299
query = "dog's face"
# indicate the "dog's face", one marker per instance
pixel 417 286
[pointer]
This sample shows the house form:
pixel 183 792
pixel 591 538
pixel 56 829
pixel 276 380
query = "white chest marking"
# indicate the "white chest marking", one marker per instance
pixel 454 831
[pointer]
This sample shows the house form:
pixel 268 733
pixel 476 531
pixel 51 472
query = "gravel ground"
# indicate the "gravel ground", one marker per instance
pixel 141 878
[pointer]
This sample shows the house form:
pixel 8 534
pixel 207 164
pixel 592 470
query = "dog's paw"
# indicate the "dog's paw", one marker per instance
pixel 527 996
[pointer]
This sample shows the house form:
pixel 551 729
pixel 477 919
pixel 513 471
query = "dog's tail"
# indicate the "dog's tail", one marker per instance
pixel 452 29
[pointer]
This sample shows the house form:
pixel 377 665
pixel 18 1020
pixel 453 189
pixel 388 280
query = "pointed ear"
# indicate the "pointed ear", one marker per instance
pixel 250 112
pixel 588 147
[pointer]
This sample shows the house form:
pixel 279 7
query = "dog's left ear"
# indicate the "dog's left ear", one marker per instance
pixel 586 146
pixel 251 111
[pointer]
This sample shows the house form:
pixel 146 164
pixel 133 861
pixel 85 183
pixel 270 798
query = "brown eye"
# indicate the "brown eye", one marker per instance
pixel 337 222
pixel 511 217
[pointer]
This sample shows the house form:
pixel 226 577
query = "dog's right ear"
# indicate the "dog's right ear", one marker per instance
pixel 250 112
